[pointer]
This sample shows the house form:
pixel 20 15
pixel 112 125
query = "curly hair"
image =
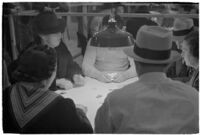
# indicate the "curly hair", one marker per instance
pixel 35 64
pixel 192 40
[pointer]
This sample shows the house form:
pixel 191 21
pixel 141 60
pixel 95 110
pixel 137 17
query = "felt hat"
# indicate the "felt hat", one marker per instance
pixel 182 27
pixel 153 45
pixel 47 22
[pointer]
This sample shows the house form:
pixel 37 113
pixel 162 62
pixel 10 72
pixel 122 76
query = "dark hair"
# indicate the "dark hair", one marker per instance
pixel 192 40
pixel 119 20
pixel 35 64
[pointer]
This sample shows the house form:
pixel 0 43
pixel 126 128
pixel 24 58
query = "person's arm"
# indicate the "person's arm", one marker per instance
pixel 131 72
pixel 67 68
pixel 103 123
pixel 89 61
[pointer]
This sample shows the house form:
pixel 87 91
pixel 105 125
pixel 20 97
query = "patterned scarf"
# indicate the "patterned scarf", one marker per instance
pixel 28 100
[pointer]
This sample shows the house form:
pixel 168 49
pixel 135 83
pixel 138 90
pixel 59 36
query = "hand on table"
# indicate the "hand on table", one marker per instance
pixel 64 84
pixel 104 77
pixel 79 80
pixel 119 77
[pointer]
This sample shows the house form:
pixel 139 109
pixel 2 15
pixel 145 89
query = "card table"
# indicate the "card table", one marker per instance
pixel 92 94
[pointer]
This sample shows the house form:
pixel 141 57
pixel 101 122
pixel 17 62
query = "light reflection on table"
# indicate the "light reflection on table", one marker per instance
pixel 92 94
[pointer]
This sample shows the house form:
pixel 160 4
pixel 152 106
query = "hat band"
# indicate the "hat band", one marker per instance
pixel 182 32
pixel 152 54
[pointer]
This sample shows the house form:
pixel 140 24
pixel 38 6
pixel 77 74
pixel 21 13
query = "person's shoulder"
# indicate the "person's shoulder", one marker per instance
pixel 129 89
pixel 186 88
pixel 60 101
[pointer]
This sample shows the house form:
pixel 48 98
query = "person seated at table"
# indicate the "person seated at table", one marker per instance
pixel 29 106
pixel 104 58
pixel 154 104
pixel 181 28
pixel 190 53
pixel 48 31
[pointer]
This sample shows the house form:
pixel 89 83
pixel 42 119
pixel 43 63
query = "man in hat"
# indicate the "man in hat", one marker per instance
pixel 48 30
pixel 154 103
pixel 181 28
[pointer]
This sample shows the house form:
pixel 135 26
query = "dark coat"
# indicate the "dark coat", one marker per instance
pixel 66 67
pixel 60 116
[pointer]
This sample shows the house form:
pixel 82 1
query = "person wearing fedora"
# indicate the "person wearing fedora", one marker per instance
pixel 181 28
pixel 48 29
pixel 154 103
pixel 190 54
pixel 29 106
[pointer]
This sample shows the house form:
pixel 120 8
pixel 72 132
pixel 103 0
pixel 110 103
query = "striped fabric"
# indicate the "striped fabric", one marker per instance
pixel 29 100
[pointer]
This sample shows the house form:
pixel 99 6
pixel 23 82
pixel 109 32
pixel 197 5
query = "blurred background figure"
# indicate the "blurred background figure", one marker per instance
pixel 133 24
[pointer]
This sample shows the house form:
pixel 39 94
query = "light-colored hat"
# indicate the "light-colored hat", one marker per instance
pixel 153 45
pixel 182 27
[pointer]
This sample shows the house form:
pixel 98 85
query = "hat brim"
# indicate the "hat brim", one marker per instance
pixel 59 28
pixel 173 57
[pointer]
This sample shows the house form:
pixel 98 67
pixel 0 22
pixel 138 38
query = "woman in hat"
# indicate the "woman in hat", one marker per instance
pixel 104 59
pixel 48 31
pixel 190 53
pixel 29 106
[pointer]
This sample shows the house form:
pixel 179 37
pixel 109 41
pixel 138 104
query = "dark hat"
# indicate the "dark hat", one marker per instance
pixel 47 22
pixel 153 45
pixel 36 64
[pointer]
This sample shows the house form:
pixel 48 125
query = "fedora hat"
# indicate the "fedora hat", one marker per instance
pixel 153 45
pixel 182 27
pixel 47 22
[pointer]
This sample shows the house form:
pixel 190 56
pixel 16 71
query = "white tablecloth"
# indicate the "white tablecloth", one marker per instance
pixel 92 94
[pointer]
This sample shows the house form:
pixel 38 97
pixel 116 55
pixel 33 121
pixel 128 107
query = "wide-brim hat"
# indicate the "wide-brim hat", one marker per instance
pixel 182 27
pixel 47 22
pixel 153 45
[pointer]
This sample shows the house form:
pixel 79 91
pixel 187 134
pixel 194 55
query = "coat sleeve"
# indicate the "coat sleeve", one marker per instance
pixel 66 67
pixel 68 119
pixel 89 61
pixel 79 121
pixel 131 72
pixel 103 123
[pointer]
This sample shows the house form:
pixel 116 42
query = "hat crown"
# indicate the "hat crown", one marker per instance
pixel 182 24
pixel 46 20
pixel 154 38
pixel 47 23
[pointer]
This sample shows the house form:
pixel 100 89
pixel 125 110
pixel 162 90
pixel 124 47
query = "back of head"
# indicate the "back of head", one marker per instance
pixel 35 64
pixel 154 48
